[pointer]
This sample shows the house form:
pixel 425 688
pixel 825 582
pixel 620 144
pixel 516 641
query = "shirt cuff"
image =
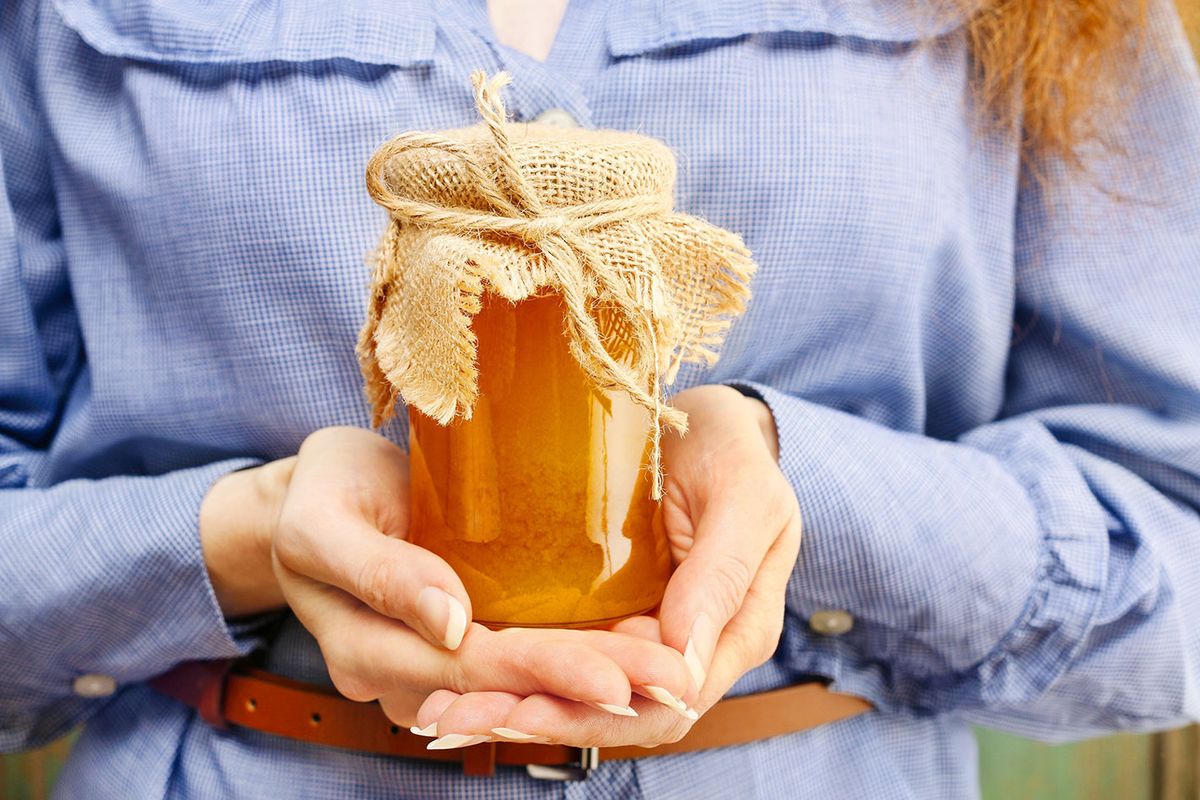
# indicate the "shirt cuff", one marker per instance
pixel 973 570
pixel 110 580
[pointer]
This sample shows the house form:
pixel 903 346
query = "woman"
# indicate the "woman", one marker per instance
pixel 972 364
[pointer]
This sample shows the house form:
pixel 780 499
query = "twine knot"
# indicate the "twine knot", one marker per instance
pixel 537 229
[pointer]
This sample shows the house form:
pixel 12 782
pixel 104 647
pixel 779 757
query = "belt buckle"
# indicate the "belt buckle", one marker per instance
pixel 588 760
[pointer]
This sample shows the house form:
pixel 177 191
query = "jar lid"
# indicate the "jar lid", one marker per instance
pixel 563 166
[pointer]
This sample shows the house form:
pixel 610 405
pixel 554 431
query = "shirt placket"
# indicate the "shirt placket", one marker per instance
pixel 551 92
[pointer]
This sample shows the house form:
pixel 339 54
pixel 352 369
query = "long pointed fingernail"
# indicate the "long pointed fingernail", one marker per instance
pixel 699 649
pixel 428 730
pixel 452 741
pixel 620 711
pixel 434 603
pixel 676 704
pixel 518 736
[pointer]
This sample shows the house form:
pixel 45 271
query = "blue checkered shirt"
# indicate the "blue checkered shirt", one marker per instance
pixel 987 386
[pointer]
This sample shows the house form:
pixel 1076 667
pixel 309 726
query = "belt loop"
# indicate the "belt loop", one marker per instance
pixel 199 684
pixel 480 760
pixel 588 760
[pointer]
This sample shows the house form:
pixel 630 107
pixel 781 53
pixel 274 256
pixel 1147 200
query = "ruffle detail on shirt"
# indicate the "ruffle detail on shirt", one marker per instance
pixel 1072 569
pixel 13 476
pixel 655 26
pixel 382 32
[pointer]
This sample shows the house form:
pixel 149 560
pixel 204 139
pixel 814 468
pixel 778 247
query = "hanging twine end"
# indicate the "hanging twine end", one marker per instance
pixel 487 95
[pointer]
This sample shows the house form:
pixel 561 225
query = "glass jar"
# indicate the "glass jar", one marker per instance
pixel 541 501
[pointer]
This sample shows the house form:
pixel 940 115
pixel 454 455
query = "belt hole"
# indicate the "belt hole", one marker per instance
pixel 394 730
pixel 315 719
pixel 251 704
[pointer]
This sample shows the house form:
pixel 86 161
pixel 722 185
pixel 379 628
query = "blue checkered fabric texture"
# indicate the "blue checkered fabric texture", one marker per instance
pixel 987 387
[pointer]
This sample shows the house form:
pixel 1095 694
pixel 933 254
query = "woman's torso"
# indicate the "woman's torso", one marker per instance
pixel 209 184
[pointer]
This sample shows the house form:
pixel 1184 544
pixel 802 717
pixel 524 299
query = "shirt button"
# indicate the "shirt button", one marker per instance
pixel 832 622
pixel 556 117
pixel 94 685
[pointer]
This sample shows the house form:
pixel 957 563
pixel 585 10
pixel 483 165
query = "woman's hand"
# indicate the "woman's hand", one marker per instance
pixel 734 529
pixel 393 619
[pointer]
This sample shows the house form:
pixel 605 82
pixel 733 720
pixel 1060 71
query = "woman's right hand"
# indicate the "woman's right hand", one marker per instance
pixel 393 619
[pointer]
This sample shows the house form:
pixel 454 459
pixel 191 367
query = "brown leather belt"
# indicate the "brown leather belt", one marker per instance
pixel 224 692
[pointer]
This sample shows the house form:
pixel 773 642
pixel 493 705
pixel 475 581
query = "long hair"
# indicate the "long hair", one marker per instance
pixel 1063 60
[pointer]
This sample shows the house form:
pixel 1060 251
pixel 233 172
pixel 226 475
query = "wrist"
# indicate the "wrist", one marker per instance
pixel 766 424
pixel 237 518
pixel 764 418
pixel 271 482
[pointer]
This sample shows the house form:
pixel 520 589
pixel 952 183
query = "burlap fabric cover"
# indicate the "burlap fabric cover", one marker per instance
pixel 522 209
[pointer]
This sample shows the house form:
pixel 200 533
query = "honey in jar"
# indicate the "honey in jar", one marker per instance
pixel 540 501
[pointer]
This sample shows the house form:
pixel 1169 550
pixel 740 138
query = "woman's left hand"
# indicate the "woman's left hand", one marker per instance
pixel 734 528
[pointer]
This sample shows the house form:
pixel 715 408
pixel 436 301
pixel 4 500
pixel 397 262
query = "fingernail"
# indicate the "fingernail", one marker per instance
pixel 620 711
pixel 452 741
pixel 432 603
pixel 456 628
pixel 428 730
pixel 699 649
pixel 661 695
pixel 517 736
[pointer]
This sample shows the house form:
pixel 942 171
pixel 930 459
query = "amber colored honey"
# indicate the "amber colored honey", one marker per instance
pixel 540 501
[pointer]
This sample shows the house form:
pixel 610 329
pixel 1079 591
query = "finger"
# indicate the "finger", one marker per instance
pixel 431 710
pixel 366 653
pixel 528 661
pixel 369 655
pixel 734 530
pixel 395 577
pixel 657 672
pixel 401 707
pixel 599 668
pixel 561 721
pixel 417 711
pixel 752 636
pixel 654 670
pixel 643 627
pixel 471 718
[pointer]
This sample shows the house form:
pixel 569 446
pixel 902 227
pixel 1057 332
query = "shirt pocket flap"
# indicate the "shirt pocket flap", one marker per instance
pixel 385 32
pixel 670 23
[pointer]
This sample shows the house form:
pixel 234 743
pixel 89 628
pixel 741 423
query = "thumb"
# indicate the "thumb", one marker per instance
pixel 732 536
pixel 394 577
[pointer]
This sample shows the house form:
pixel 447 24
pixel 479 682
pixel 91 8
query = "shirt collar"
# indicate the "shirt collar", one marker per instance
pixel 649 26
pixel 386 32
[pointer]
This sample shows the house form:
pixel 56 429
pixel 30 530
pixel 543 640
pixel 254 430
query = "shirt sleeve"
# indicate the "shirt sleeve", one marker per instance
pixel 97 576
pixel 1041 572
